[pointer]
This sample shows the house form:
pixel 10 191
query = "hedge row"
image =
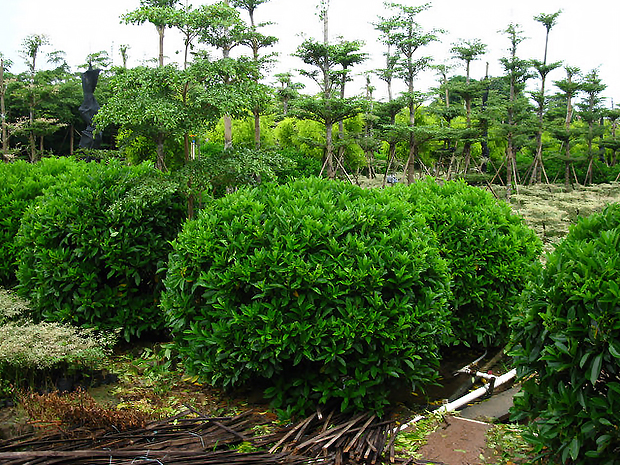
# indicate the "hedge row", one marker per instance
pixel 320 290
pixel 490 252
pixel 21 184
pixel 568 346
pixel 92 248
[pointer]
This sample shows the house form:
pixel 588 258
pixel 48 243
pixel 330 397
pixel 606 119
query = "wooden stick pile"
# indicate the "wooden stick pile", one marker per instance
pixel 333 439
pixel 340 439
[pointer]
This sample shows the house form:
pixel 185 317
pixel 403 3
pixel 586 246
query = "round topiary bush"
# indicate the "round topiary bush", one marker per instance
pixel 567 349
pixel 491 255
pixel 21 184
pixel 92 248
pixel 315 290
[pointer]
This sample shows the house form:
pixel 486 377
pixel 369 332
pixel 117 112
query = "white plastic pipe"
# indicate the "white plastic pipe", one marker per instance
pixel 467 398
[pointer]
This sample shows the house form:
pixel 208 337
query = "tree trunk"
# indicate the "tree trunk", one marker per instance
pixel 160 31
pixel 160 163
pixel 5 135
pixel 256 128
pixel 329 150
pixel 410 168
pixel 391 156
pixel 31 141
pixel 510 168
pixel 588 178
pixel 186 149
pixel 71 139
pixel 227 131
pixel 569 116
pixel 538 160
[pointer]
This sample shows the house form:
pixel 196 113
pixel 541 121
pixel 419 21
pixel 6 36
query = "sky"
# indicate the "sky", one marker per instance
pixel 585 35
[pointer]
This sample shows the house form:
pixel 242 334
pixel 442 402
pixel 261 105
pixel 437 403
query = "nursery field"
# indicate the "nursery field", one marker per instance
pixel 550 210
pixel 142 382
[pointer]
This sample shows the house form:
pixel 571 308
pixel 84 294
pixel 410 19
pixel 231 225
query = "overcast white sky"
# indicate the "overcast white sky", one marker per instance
pixel 585 36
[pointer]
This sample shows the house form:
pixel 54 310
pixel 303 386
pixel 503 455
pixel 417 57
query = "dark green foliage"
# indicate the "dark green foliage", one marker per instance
pixel 219 170
pixel 490 252
pixel 92 246
pixel 568 346
pixel 299 165
pixel 317 290
pixel 20 184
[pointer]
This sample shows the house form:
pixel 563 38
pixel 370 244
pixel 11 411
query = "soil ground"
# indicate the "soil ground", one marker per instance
pixel 459 441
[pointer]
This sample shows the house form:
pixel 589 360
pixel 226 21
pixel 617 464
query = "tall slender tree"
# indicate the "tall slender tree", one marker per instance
pixel 224 30
pixel 5 133
pixel 517 74
pixel 31 48
pixel 612 143
pixel 570 86
pixel 257 41
pixel 288 90
pixel 160 13
pixel 348 54
pixel 385 28
pixel 124 51
pixel 543 69
pixel 468 51
pixel 591 112
pixel 447 108
pixel 329 108
pixel 407 37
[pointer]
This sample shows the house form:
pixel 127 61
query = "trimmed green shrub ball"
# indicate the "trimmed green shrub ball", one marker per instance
pixel 92 248
pixel 567 349
pixel 20 184
pixel 317 290
pixel 490 252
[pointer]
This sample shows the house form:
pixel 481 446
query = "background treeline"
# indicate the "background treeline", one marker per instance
pixel 507 129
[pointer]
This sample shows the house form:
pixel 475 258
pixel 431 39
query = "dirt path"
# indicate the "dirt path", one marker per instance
pixel 459 441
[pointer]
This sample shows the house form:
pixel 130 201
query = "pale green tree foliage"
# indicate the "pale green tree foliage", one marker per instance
pixel 160 13
pixel 146 100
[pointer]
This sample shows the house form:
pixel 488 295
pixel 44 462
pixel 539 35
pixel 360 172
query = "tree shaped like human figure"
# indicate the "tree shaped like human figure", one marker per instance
pixel 88 109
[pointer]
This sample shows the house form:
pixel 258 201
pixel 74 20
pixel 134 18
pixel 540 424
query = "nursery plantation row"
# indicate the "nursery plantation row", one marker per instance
pixel 317 291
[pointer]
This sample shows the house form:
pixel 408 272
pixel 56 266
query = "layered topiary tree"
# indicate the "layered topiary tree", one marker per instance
pixel 491 255
pixel 92 247
pixel 567 349
pixel 21 183
pixel 317 290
